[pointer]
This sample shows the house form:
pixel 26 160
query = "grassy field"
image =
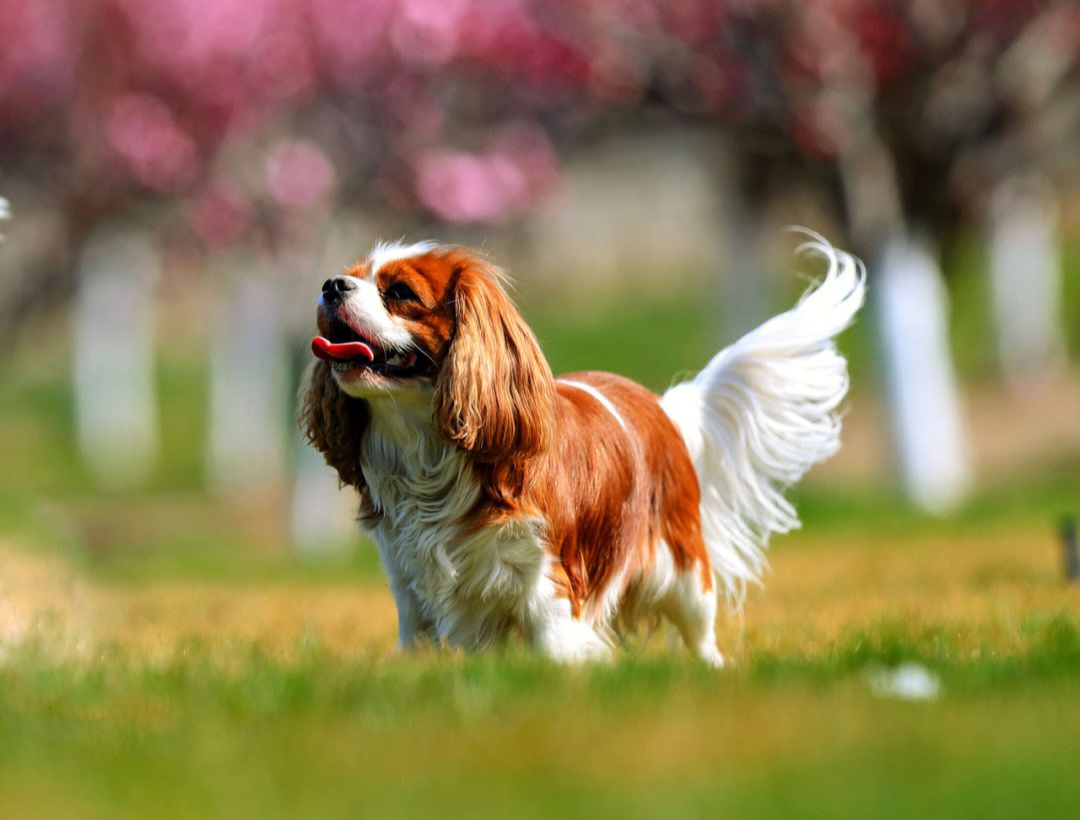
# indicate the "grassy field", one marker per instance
pixel 163 652
pixel 284 697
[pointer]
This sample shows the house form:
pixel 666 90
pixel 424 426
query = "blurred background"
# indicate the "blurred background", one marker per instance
pixel 179 178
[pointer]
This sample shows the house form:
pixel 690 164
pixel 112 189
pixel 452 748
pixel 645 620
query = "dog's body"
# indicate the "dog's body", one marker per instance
pixel 503 499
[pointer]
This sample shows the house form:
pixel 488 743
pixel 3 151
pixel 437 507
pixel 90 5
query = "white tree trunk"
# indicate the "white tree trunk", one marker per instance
pixel 114 342
pixel 249 383
pixel 323 513
pixel 932 436
pixel 1026 278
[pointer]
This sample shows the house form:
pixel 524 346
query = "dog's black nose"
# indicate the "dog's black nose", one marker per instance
pixel 334 290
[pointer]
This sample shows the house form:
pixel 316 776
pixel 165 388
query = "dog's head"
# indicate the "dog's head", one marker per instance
pixel 433 324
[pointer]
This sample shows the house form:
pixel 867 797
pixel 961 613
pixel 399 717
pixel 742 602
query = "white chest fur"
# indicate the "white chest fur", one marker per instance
pixel 465 587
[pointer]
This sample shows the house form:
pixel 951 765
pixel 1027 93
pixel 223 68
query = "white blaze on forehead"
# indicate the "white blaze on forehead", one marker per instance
pixel 364 310
pixel 385 252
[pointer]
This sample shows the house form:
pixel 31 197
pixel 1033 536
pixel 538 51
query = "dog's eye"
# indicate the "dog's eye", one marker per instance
pixel 400 292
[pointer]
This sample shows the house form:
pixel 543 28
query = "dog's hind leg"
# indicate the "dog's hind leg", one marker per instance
pixel 690 604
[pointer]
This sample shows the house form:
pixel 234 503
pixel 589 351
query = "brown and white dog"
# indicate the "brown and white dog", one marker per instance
pixel 504 499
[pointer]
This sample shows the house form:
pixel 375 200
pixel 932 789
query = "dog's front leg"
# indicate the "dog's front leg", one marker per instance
pixel 413 625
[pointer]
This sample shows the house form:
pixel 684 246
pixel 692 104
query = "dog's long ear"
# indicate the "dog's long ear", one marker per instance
pixel 495 395
pixel 333 423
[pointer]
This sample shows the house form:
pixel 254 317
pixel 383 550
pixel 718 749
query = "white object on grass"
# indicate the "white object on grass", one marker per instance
pixel 908 681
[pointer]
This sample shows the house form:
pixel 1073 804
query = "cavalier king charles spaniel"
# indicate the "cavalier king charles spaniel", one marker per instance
pixel 569 508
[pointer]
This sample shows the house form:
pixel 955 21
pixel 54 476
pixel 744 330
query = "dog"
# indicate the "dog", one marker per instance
pixel 567 509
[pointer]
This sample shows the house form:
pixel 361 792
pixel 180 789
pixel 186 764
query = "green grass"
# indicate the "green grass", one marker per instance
pixel 506 733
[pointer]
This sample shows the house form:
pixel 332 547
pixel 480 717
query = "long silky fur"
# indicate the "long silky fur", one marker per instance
pixel 761 413
pixel 333 423
pixel 493 406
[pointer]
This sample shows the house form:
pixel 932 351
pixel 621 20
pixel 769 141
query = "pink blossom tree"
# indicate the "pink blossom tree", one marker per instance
pixel 453 107
pixel 225 121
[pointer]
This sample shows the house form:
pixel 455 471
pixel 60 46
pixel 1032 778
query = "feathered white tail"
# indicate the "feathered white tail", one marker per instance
pixel 761 413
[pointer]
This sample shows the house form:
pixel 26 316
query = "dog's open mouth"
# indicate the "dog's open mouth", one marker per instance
pixel 345 349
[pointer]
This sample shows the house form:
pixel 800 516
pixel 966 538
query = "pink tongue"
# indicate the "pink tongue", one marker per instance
pixel 344 352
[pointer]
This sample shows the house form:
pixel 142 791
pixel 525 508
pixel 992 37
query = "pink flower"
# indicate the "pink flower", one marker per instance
pixel 428 32
pixel 461 187
pixel 351 37
pixel 299 175
pixel 221 214
pixel 158 152
pixel 496 185
pixel 39 53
